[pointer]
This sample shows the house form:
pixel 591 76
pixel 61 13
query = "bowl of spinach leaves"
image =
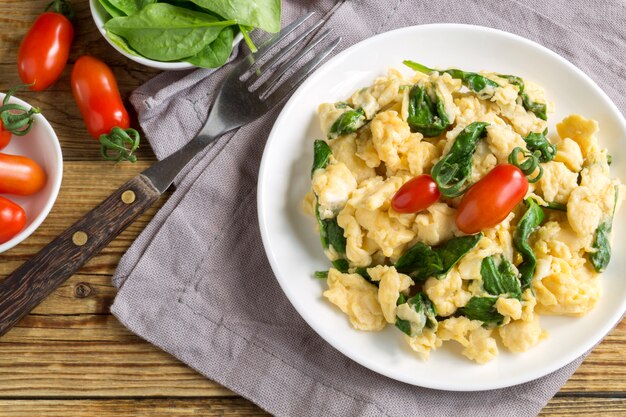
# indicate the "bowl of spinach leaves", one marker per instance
pixel 182 34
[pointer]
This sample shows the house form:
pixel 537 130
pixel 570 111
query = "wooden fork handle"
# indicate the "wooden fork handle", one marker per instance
pixel 38 277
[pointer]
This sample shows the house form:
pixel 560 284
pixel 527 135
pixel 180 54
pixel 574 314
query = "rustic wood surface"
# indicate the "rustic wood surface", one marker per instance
pixel 70 357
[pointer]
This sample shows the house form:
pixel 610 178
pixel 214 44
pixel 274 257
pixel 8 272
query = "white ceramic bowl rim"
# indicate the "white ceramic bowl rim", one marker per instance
pixel 97 11
pixel 55 187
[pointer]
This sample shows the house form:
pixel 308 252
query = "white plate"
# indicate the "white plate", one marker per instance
pixel 293 247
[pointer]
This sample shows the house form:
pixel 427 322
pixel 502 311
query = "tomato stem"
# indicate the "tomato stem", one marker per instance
pixel 528 164
pixel 119 144
pixel 17 119
pixel 62 7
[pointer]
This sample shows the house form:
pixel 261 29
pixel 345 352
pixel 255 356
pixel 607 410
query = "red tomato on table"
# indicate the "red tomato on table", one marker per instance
pixel 98 98
pixel 44 50
pixel 491 199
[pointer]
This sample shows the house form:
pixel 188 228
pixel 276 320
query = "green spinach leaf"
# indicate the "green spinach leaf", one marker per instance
pixel 556 206
pixel 602 256
pixel 453 170
pixel 501 279
pixel 130 7
pixel 537 142
pixel 164 32
pixel 529 222
pixel 422 262
pixel 111 9
pixel 483 309
pixel 321 155
pixel 216 53
pixel 262 14
pixel 475 82
pixel 539 109
pixel 421 314
pixel 348 122
pixel 426 116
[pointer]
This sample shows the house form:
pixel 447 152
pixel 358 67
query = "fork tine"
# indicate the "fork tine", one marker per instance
pixel 273 60
pixel 294 80
pixel 268 45
pixel 271 81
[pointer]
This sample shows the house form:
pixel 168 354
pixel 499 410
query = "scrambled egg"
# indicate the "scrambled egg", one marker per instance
pixel 367 168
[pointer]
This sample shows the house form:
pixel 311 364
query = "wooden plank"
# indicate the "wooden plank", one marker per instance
pixel 206 407
pixel 564 406
pixel 85 184
pixel 170 407
pixel 56 102
pixel 127 367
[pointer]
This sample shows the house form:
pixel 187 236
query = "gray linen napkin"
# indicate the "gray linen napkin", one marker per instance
pixel 197 284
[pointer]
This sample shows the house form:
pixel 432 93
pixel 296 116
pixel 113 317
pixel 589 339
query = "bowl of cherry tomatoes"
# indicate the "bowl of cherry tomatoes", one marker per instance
pixel 31 169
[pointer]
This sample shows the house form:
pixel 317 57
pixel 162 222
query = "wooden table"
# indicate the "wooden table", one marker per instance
pixel 70 356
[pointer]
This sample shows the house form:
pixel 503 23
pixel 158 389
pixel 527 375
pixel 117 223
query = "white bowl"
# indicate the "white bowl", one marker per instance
pixel 294 250
pixel 42 145
pixel 99 17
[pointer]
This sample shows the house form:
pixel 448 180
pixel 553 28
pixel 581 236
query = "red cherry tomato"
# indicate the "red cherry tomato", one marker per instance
pixel 416 195
pixel 20 175
pixel 98 98
pixel 12 219
pixel 44 50
pixel 5 136
pixel 491 199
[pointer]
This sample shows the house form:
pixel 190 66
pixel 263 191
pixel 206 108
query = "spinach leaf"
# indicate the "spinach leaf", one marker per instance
pixel 334 235
pixel 471 80
pixel 537 142
pixel 164 32
pixel 501 279
pixel 321 155
pixel 341 265
pixel 556 206
pixel 331 234
pixel 111 9
pixel 423 314
pixel 262 14
pixel 363 272
pixel 529 222
pixel 216 53
pixel 602 256
pixel 454 249
pixel 425 116
pixel 119 41
pixel 454 169
pixel 539 109
pixel 129 7
pixel 483 309
pixel 347 122
pixel 422 262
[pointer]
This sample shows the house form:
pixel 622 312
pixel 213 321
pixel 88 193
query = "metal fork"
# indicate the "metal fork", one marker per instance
pixel 243 97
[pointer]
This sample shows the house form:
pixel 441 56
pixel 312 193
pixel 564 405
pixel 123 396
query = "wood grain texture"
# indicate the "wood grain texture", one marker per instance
pixel 209 407
pixel 39 276
pixel 150 407
pixel 70 357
